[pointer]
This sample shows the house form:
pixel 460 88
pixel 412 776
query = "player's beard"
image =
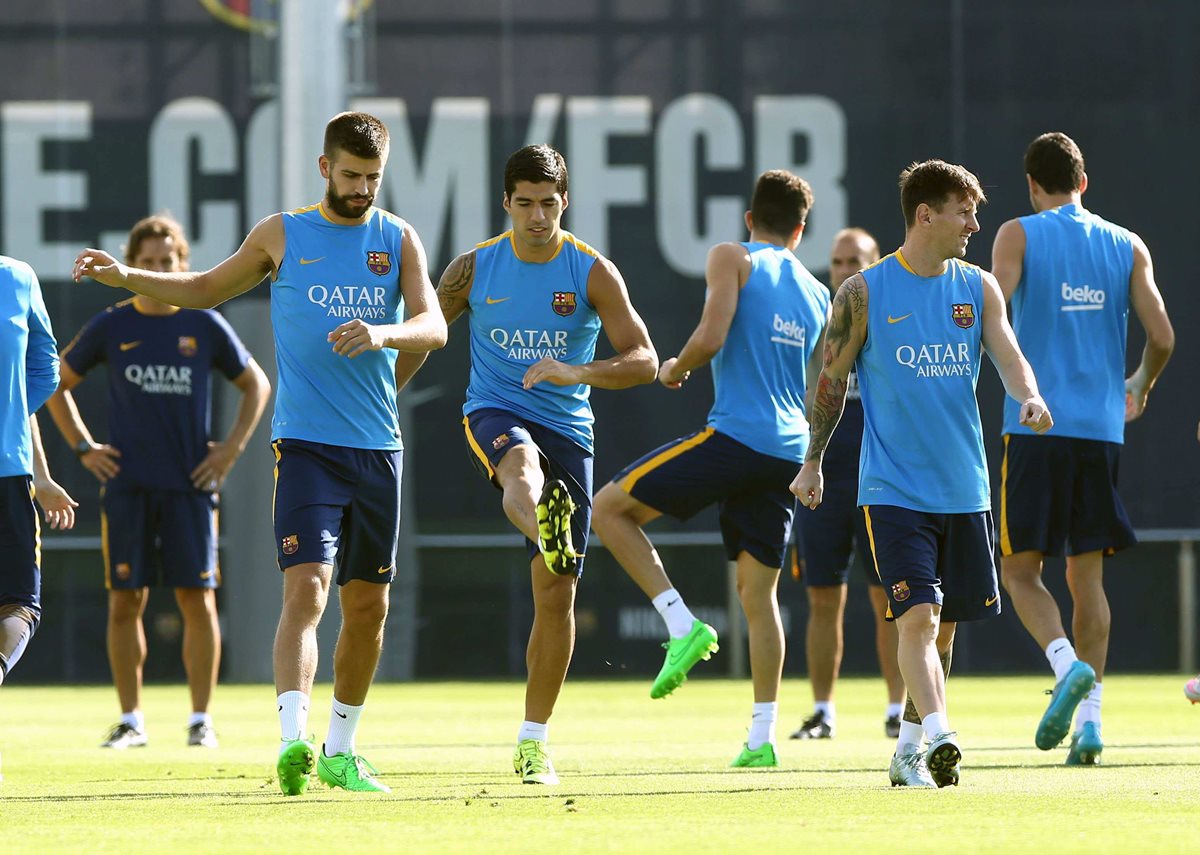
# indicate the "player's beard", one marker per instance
pixel 341 206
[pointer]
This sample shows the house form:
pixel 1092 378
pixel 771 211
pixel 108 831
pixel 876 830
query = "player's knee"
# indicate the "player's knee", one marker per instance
pixel 556 600
pixel 365 612
pixel 196 603
pixel 126 606
pixel 826 602
pixel 305 598
pixel 918 624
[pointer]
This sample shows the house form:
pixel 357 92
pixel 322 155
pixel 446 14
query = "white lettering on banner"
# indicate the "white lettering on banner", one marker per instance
pixel 444 186
pixel 161 379
pixel 350 301
pixel 684 232
pixel 531 344
pixel 1082 299
pixel 952 359
pixel 30 190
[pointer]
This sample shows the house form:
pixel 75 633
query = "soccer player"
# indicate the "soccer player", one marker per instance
pixel 827 537
pixel 537 297
pixel 914 325
pixel 342 272
pixel 161 472
pixel 761 327
pixel 1071 277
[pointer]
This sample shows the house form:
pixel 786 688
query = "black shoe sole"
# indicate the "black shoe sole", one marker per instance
pixel 942 763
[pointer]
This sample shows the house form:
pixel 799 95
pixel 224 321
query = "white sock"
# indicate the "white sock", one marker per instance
pixel 533 730
pixel 762 725
pixel 199 718
pixel 910 734
pixel 894 711
pixel 134 719
pixel 675 612
pixel 343 721
pixel 827 707
pixel 1089 708
pixel 293 715
pixel 1062 656
pixel 934 724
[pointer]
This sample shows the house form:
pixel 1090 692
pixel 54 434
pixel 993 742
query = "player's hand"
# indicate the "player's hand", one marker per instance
pixel 552 371
pixel 666 374
pixel 101 461
pixel 99 265
pixel 809 485
pixel 209 475
pixel 1136 393
pixel 1036 415
pixel 56 503
pixel 355 337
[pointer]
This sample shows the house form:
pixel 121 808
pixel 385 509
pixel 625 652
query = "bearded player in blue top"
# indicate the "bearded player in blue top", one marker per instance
pixel 537 297
pixel 914 325
pixel 344 275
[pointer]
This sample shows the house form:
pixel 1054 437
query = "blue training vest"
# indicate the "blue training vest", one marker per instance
pixel 522 312
pixel 922 441
pixel 760 373
pixel 1070 313
pixel 332 273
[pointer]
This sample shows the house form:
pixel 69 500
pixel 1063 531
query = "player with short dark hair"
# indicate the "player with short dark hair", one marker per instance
pixel 833 537
pixel 1072 277
pixel 762 326
pixel 536 298
pixel 161 472
pixel 348 290
pixel 915 325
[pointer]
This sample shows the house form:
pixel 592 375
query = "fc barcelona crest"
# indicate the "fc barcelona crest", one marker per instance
pixel 964 315
pixel 290 544
pixel 563 303
pixel 379 263
pixel 901 592
pixel 187 345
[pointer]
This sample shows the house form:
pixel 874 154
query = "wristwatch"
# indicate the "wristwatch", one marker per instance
pixel 82 447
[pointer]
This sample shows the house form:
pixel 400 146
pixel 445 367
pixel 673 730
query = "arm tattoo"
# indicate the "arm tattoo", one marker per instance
pixel 849 305
pixel 826 411
pixel 457 277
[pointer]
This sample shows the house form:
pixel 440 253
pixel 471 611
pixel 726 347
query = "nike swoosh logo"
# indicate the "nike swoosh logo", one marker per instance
pixel 892 320
pixel 129 345
pixel 990 601
pixel 311 260
pixel 492 302
pixel 381 571
pixel 207 574
pixel 673 602
pixel 342 714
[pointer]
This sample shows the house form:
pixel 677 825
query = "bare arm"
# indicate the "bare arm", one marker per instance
pixel 1160 336
pixel 1014 369
pixel 1008 257
pixel 725 273
pixel 453 296
pixel 211 472
pixel 844 337
pixel 56 503
pixel 635 362
pixel 100 460
pixel 259 256
pixel 813 370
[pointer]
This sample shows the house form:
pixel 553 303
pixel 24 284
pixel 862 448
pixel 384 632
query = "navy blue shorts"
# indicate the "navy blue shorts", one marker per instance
pixel 751 490
pixel 832 537
pixel 337 505
pixel 945 559
pixel 1058 491
pixel 491 432
pixel 20 548
pixel 153 537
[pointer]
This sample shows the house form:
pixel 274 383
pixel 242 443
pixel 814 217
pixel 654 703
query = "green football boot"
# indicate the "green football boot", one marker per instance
pixel 908 768
pixel 682 654
pixel 532 762
pixel 296 761
pixel 1064 698
pixel 760 758
pixel 554 509
pixel 941 758
pixel 350 772
pixel 1086 746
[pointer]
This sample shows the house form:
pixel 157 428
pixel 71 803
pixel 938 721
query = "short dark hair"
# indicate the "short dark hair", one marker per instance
pixel 780 203
pixel 933 182
pixel 358 134
pixel 536 164
pixel 1055 162
pixel 160 226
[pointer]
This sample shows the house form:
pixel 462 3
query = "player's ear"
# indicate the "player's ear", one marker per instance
pixel 323 165
pixel 506 203
pixel 748 218
pixel 1083 184
pixel 564 202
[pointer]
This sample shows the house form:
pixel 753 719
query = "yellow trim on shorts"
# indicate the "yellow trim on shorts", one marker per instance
pixel 1005 540
pixel 37 529
pixel 487 464
pixel 875 556
pixel 627 483
pixel 104 550
pixel 275 488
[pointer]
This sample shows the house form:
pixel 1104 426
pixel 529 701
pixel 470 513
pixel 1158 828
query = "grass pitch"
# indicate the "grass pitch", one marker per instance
pixel 638 775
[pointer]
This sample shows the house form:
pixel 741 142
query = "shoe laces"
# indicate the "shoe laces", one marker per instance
pixel 916 762
pixel 364 768
pixel 534 757
pixel 817 718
